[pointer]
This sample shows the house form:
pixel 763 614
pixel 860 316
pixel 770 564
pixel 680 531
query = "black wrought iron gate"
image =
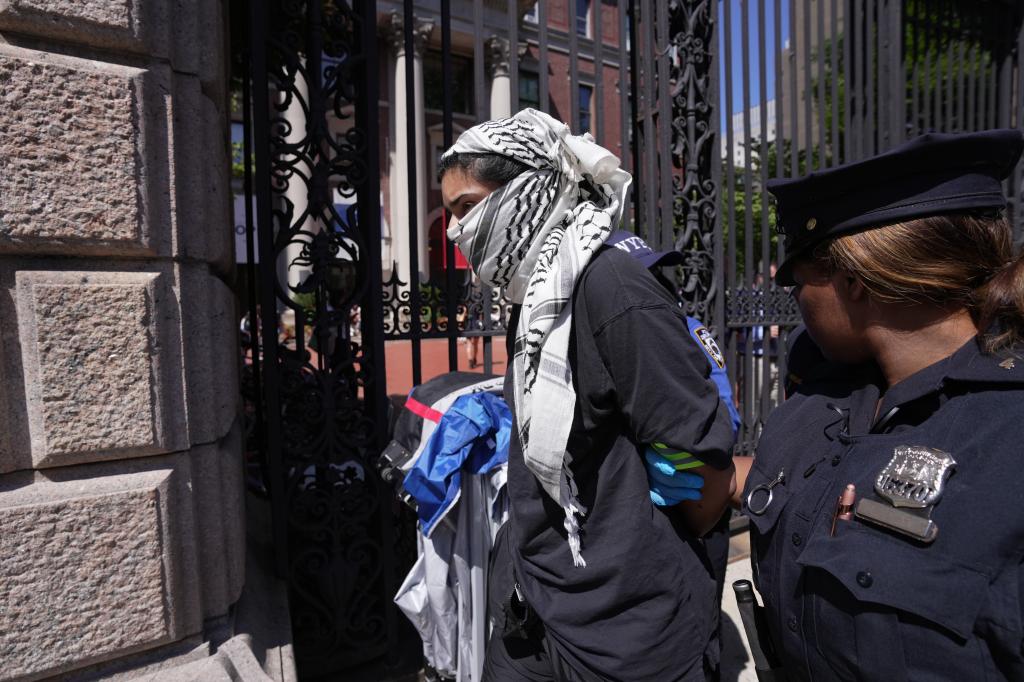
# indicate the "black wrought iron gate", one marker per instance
pixel 345 267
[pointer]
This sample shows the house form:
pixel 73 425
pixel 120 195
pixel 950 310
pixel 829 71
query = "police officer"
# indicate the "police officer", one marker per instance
pixel 885 496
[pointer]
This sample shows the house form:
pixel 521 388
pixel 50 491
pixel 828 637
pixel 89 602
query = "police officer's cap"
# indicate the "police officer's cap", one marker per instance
pixel 930 175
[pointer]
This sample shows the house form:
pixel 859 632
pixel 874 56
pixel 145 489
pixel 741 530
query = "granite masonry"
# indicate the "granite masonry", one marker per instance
pixel 122 504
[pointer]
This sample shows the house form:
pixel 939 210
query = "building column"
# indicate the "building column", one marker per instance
pixel 399 176
pixel 500 80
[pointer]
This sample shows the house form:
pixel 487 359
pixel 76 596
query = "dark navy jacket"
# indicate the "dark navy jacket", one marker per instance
pixel 875 605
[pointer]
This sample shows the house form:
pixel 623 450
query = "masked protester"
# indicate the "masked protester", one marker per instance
pixel 589 579
pixel 885 494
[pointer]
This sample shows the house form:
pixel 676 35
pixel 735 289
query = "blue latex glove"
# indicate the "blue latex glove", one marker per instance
pixel 669 484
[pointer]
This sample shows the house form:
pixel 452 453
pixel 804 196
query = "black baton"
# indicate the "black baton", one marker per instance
pixel 754 626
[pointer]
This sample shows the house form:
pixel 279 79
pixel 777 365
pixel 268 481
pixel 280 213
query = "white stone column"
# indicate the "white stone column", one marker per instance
pixel 298 189
pixel 400 209
pixel 500 80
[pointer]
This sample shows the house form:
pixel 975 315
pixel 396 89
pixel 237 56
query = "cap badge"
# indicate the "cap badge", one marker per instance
pixel 812 223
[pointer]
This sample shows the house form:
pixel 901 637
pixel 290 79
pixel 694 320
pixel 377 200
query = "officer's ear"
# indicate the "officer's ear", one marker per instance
pixel 849 286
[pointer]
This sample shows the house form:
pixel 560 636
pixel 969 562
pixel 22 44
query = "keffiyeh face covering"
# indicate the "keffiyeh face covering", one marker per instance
pixel 533 237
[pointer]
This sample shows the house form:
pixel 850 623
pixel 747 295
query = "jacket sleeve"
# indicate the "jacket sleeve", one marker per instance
pixel 662 385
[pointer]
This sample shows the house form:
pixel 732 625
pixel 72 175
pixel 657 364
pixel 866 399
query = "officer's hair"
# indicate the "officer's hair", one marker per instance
pixel 483 167
pixel 951 261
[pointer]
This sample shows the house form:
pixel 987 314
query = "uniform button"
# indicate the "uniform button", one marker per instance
pixel 864 579
pixel 797 540
pixel 792 624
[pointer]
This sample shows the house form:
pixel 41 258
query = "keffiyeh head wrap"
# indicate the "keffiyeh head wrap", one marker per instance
pixel 533 237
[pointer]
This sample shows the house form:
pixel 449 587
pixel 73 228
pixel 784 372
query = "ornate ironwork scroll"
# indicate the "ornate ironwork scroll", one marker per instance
pixel 695 191
pixel 316 192
pixel 471 308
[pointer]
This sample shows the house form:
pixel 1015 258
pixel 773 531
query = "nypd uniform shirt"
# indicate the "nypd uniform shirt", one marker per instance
pixel 642 608
pixel 927 583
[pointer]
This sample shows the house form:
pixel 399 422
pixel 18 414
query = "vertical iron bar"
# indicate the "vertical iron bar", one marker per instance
pixel 625 106
pixel 415 329
pixel 371 307
pixel 749 267
pixel 732 279
pixel 483 113
pixel 268 286
pixel 718 316
pixel 869 77
pixel 961 86
pixel 634 100
pixel 762 36
pixel 897 73
pixel 834 54
pixel 972 91
pixel 914 50
pixel 748 190
pixel 883 120
pixel 543 93
pixel 859 18
pixel 450 273
pixel 650 148
pixel 805 60
pixel 1005 88
pixel 252 269
pixel 483 105
pixel 597 11
pixel 926 67
pixel 794 118
pixel 822 102
pixel 661 44
pixel 1017 214
pixel 574 71
pixel 729 218
pixel 950 75
pixel 780 104
pixel 513 53
pixel 847 97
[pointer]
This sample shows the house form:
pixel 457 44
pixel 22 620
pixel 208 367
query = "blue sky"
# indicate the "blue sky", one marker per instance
pixel 734 43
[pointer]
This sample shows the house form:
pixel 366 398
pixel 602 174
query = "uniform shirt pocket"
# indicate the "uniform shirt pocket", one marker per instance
pixel 888 608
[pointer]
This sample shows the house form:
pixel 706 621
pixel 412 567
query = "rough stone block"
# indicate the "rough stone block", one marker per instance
pixel 201 45
pixel 95 565
pixel 132 25
pixel 100 364
pixel 212 353
pixel 219 498
pixel 231 452
pixel 200 169
pixel 83 156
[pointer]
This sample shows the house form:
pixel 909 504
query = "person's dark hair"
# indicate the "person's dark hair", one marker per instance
pixel 483 167
pixel 960 260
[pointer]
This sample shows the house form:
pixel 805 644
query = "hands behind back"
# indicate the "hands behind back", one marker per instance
pixel 669 481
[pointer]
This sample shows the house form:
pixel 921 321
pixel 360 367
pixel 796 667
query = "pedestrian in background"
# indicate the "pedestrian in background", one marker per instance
pixel 885 495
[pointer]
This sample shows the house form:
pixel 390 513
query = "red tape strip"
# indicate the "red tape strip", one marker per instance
pixel 421 410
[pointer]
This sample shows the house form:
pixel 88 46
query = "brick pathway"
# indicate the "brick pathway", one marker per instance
pixel 434 355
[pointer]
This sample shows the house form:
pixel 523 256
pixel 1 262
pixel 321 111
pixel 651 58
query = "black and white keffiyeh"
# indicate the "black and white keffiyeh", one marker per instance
pixel 533 237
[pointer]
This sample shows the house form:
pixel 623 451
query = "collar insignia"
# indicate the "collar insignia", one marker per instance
pixel 915 476
pixel 1007 363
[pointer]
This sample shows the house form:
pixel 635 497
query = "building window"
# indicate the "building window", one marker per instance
pixel 583 17
pixel 461 79
pixel 586 98
pixel 529 90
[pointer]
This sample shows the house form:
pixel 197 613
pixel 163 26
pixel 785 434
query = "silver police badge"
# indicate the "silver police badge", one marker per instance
pixel 915 476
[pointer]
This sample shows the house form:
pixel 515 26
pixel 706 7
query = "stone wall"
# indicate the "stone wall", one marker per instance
pixel 121 499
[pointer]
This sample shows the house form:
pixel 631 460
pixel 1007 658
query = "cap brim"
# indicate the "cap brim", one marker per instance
pixel 660 258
